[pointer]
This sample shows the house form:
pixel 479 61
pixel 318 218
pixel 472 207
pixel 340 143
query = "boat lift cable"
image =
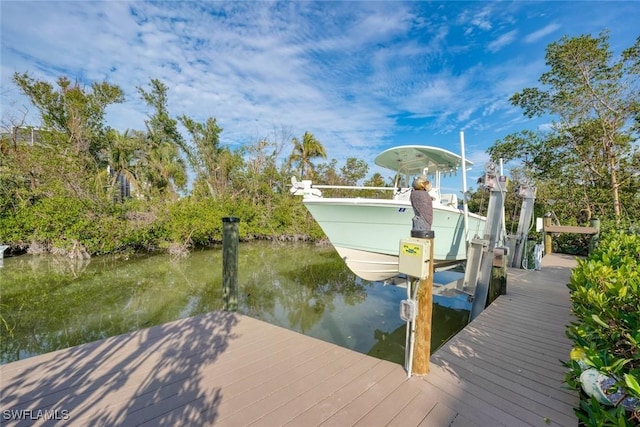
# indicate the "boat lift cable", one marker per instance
pixel 515 214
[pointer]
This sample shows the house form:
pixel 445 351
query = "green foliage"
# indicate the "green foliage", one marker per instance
pixel 353 171
pixel 71 109
pixel 587 155
pixel 164 169
pixel 197 222
pixel 104 191
pixel 605 293
pixel 592 413
pixel 572 244
pixel 349 174
pixel 204 154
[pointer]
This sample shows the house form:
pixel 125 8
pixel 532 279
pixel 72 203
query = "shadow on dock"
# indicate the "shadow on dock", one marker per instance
pixel 103 384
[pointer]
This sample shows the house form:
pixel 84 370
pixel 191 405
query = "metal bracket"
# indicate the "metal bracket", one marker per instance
pixel 408 310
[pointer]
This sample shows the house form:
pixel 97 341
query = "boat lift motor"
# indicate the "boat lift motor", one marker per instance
pixel 413 261
pixel 413 257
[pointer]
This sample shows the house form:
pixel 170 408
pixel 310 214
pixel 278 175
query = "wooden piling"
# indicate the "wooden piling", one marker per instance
pixel 424 302
pixel 548 246
pixel 230 241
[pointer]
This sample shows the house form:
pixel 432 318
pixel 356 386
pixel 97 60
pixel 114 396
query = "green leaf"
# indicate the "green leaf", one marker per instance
pixel 599 321
pixel 632 383
pixel 623 291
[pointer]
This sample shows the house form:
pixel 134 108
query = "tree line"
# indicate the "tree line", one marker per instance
pixel 586 164
pixel 75 185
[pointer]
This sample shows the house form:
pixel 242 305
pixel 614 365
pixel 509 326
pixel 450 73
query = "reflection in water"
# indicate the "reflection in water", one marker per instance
pixel 49 302
pixel 446 323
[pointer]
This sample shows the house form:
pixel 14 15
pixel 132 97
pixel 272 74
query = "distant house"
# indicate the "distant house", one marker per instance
pixel 122 186
pixel 26 135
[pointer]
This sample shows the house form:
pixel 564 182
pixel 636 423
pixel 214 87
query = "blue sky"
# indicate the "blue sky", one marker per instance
pixel 361 76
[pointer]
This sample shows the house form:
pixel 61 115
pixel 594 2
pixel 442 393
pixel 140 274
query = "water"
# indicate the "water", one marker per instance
pixel 48 302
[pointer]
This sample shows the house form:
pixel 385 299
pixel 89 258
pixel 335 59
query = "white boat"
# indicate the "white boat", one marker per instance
pixel 366 232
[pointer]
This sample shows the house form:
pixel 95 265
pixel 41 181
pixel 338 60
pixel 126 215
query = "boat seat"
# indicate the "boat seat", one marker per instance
pixel 449 200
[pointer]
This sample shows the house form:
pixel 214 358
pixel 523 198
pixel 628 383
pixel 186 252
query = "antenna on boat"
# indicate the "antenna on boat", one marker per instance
pixel 465 208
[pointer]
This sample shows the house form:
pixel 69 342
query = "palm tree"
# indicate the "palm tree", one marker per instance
pixel 165 170
pixel 121 156
pixel 304 152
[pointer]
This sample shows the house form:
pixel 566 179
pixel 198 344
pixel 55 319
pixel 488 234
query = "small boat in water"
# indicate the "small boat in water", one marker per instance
pixel 366 232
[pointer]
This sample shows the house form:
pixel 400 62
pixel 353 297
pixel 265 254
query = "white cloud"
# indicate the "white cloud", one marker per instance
pixel 360 75
pixel 502 41
pixel 545 127
pixel 542 32
pixel 477 19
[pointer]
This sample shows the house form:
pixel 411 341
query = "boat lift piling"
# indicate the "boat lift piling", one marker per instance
pixel 517 243
pixel 483 254
pixel 416 261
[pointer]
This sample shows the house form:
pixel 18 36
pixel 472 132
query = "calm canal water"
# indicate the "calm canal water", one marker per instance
pixel 48 302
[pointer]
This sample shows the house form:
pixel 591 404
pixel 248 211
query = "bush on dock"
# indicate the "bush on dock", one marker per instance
pixel 605 365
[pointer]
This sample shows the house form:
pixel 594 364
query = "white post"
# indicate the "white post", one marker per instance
pixel 2 249
pixel 464 188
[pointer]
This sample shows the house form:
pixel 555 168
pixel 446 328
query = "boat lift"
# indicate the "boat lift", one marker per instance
pixel 491 250
pixel 483 253
pixel 516 243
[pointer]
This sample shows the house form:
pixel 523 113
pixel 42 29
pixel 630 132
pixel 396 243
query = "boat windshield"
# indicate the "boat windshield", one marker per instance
pixel 404 179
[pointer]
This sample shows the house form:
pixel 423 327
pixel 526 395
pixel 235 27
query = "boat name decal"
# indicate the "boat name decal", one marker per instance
pixel 402 209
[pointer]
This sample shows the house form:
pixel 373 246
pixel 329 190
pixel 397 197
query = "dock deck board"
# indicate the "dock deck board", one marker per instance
pixel 231 370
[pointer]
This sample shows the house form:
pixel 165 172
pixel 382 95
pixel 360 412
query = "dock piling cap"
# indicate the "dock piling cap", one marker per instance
pixel 423 234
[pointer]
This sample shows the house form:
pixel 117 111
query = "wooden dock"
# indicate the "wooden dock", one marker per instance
pixel 231 370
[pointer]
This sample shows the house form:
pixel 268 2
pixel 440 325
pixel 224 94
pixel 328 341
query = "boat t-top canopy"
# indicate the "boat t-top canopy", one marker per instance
pixel 413 159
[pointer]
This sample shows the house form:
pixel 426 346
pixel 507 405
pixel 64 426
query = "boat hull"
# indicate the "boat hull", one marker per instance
pixel 367 232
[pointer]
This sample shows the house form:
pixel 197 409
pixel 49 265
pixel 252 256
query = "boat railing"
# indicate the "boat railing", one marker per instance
pixel 353 187
pixel 308 189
